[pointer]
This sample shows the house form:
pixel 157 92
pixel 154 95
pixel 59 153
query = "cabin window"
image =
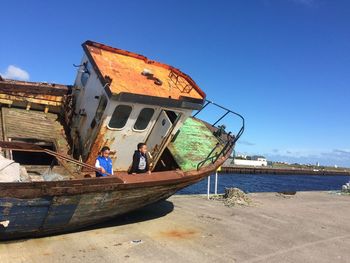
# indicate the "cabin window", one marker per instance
pixel 143 119
pixel 120 116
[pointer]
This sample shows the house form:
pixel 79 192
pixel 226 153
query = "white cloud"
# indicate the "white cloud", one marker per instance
pixel 14 72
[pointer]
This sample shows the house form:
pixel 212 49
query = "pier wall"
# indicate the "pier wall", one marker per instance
pixel 271 170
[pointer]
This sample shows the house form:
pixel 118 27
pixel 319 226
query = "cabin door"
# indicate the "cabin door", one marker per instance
pixel 95 122
pixel 159 134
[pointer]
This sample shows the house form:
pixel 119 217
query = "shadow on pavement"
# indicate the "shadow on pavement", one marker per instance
pixel 156 210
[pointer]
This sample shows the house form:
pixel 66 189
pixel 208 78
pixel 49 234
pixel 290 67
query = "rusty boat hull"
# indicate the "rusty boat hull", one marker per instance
pixel 44 208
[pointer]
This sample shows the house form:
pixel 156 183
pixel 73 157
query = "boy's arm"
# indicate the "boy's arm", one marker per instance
pixel 147 164
pixel 134 165
pixel 98 166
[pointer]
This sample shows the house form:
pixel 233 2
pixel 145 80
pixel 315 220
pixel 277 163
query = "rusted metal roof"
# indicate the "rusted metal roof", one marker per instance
pixel 128 72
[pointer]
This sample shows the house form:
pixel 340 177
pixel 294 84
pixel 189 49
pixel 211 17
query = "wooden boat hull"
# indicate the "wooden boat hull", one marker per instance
pixel 43 208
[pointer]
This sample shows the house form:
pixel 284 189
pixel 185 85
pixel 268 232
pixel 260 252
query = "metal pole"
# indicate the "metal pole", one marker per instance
pixel 216 182
pixel 208 189
pixel 202 108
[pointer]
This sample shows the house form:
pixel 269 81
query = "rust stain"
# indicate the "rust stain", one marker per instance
pixel 102 139
pixel 99 142
pixel 180 234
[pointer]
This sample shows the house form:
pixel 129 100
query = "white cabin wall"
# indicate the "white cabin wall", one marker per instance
pixel 86 103
pixel 79 89
pixel 124 141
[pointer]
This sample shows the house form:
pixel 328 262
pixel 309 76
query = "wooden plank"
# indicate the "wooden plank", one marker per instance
pixel 22 124
pixel 12 86
pixel 61 211
pixel 1 126
pixel 24 215
pixel 193 144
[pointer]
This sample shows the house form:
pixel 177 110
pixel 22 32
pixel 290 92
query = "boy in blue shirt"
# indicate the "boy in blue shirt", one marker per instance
pixel 104 163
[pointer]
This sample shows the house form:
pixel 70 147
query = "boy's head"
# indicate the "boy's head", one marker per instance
pixel 105 151
pixel 142 147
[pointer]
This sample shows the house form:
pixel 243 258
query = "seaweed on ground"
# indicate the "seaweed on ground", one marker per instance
pixel 233 197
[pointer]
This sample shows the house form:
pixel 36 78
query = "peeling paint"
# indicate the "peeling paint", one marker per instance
pixel 5 223
pixel 125 70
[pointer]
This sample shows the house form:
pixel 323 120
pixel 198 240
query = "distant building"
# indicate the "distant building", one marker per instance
pixel 245 160
pixel 260 162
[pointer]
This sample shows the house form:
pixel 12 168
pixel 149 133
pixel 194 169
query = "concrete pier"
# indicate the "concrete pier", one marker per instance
pixel 286 170
pixel 307 227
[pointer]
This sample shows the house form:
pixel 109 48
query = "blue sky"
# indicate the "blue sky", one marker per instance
pixel 283 64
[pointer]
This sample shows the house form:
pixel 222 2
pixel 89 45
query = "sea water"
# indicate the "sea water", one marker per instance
pixel 251 183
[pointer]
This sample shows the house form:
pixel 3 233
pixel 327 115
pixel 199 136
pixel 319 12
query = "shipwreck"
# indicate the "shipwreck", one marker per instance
pixel 50 136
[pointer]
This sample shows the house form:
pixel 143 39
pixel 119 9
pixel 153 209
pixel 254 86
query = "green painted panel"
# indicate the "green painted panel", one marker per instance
pixel 193 144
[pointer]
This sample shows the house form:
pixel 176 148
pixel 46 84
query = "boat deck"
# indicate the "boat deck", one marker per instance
pixel 191 146
pixel 34 126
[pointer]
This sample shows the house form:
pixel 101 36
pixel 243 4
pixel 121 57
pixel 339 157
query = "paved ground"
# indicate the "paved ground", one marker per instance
pixel 308 227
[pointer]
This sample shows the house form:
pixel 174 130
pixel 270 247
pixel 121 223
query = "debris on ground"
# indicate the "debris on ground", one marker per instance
pixel 138 241
pixel 286 194
pixel 234 196
pixel 345 189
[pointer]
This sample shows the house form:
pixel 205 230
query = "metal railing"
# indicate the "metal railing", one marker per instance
pixel 231 140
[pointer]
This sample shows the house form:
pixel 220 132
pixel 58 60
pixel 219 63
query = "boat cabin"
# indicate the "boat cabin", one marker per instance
pixel 121 98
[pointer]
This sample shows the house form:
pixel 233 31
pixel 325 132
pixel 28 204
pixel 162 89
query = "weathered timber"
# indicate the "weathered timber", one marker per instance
pixel 27 147
pixel 33 88
pixel 185 148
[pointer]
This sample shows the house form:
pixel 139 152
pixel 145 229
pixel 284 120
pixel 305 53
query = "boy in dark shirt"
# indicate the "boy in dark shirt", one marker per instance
pixel 140 163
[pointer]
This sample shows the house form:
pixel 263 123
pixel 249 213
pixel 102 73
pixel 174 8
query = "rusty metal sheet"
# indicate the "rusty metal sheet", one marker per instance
pixel 122 69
